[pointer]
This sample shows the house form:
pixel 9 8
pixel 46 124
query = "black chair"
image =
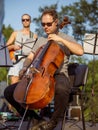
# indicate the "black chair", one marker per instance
pixel 78 76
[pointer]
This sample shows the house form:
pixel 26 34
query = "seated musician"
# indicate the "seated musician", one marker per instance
pixel 50 24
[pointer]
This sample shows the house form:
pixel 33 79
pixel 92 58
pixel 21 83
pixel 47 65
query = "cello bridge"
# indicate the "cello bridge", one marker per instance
pixel 34 70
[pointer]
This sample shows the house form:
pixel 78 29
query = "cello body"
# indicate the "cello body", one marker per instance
pixel 40 90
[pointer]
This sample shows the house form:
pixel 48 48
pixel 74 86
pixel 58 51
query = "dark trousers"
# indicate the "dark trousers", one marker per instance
pixel 8 93
pixel 61 98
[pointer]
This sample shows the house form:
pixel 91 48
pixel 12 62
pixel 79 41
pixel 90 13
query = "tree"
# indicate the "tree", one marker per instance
pixel 7 31
pixel 3 74
pixel 93 75
pixel 83 16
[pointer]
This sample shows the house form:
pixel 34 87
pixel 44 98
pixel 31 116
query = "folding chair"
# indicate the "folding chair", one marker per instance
pixel 78 76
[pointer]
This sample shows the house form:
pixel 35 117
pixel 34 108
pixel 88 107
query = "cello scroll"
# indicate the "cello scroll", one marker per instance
pixel 64 22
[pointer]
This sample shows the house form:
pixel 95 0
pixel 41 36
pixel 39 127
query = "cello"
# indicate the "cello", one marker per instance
pixel 38 91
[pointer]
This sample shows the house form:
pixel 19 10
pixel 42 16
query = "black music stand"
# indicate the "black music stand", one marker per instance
pixel 4 58
pixel 4 54
pixel 90 46
pixel 4 62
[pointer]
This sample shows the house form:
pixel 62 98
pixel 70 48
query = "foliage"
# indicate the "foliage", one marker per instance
pixel 93 75
pixel 78 59
pixel 91 104
pixel 3 74
pixel 83 16
pixel 91 110
pixel 7 31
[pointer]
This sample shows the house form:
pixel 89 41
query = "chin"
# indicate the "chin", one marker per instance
pixel 47 32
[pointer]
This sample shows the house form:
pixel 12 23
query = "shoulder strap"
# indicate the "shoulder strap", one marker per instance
pixel 33 35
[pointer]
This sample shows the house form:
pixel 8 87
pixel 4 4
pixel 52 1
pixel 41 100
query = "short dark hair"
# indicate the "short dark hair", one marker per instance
pixel 27 15
pixel 51 12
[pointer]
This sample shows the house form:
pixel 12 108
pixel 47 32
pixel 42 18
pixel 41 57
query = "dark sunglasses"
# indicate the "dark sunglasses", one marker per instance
pixel 25 20
pixel 48 24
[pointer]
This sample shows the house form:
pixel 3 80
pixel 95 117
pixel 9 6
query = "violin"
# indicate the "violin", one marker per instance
pixel 38 91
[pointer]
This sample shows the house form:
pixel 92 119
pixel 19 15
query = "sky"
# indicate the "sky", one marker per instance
pixel 14 9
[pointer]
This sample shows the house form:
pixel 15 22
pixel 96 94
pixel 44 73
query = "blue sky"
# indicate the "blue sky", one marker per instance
pixel 15 8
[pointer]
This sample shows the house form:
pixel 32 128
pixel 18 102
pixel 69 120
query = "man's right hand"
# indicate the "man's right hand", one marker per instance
pixel 22 72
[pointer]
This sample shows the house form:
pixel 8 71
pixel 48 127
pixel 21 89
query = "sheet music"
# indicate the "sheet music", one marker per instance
pixel 90 44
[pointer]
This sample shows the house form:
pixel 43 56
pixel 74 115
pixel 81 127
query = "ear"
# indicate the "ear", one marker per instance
pixel 56 21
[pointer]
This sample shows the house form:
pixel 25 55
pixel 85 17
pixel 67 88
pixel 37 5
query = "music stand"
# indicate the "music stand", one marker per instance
pixel 4 54
pixel 4 62
pixel 90 45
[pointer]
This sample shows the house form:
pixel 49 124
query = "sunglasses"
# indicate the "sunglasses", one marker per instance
pixel 48 24
pixel 25 20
